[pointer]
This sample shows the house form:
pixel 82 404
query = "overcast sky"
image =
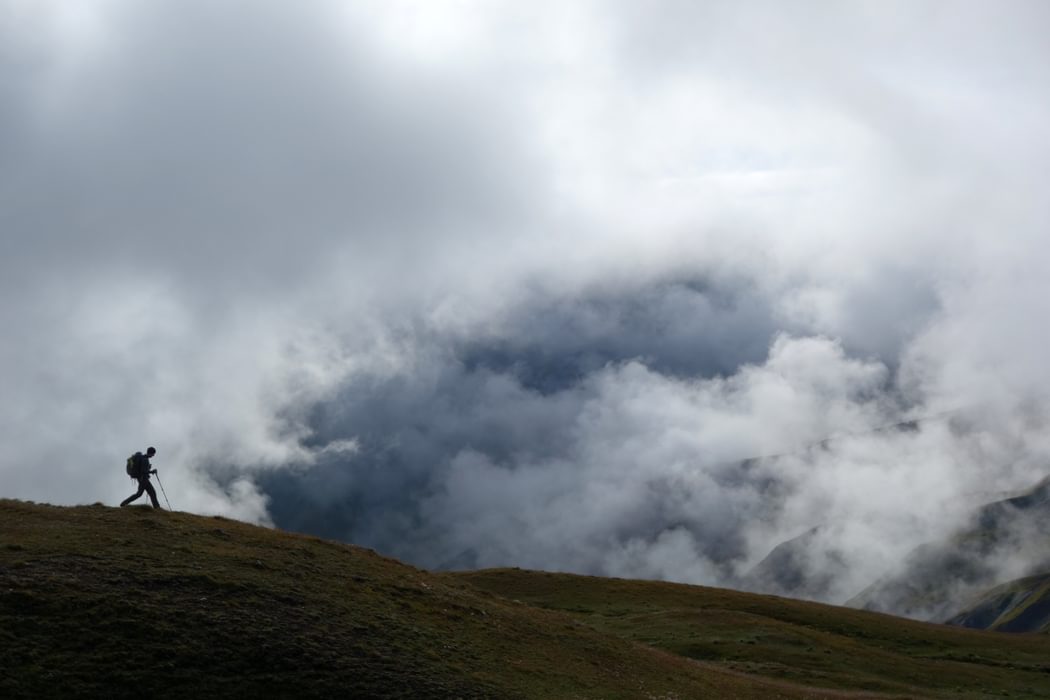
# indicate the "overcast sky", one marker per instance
pixel 483 283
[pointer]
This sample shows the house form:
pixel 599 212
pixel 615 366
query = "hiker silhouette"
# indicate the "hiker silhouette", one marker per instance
pixel 140 468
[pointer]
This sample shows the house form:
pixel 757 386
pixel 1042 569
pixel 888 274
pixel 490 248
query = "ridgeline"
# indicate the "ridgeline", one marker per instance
pixel 109 602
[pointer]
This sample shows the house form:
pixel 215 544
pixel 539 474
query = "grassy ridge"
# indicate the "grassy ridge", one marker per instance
pixel 107 602
pixel 790 640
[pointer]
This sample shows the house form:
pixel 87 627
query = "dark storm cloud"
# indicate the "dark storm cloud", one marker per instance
pixel 680 327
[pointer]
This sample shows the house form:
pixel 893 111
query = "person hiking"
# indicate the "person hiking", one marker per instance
pixel 140 468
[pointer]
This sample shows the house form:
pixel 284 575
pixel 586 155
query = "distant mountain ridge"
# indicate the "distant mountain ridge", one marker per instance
pixel 1017 606
pixel 937 581
pixel 787 570
pixel 938 578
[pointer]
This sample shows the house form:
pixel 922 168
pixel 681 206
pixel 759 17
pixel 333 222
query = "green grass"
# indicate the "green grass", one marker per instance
pixel 789 640
pixel 109 602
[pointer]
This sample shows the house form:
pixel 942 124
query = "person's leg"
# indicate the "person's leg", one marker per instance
pixel 131 498
pixel 152 493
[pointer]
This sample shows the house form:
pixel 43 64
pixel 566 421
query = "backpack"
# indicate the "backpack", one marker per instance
pixel 134 465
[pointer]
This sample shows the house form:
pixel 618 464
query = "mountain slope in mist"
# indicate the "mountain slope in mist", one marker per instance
pixel 99 601
pixel 802 567
pixel 1016 606
pixel 1005 540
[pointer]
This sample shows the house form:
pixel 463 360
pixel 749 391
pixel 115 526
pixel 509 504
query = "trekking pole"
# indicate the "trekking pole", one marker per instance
pixel 162 490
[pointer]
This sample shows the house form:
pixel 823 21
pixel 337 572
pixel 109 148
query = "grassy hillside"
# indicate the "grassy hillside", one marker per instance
pixel 791 640
pixel 98 601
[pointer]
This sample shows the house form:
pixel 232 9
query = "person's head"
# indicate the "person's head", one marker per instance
pixel 150 451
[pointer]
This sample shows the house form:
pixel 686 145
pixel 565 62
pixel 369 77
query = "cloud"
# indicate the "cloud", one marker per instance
pixel 481 284
pixel 462 465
